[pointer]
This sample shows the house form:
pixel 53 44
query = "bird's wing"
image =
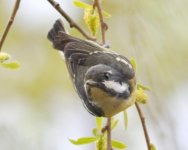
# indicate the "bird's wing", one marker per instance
pixel 84 54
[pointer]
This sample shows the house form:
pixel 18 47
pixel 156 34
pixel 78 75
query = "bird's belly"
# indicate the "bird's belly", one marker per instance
pixel 110 105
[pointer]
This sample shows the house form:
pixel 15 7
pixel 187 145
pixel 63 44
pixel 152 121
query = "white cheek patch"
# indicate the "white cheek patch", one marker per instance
pixel 116 86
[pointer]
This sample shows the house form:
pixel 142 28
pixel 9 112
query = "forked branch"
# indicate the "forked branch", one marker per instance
pixel 104 26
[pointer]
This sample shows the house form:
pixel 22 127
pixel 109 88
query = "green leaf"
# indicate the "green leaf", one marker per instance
pixel 92 20
pixel 146 88
pixel 114 124
pixel 84 140
pixel 11 65
pixel 4 56
pixel 133 63
pixel 99 121
pixel 94 131
pixel 118 144
pixel 152 146
pixel 81 4
pixel 101 143
pixel 125 119
pixel 105 14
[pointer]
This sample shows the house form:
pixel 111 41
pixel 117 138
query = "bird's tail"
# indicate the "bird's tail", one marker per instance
pixel 57 27
pixel 58 36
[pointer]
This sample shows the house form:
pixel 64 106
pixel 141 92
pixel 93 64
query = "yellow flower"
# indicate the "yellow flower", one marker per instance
pixel 4 56
pixel 91 18
pixel 141 96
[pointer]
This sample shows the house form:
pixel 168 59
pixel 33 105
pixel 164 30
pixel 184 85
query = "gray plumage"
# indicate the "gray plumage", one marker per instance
pixel 80 55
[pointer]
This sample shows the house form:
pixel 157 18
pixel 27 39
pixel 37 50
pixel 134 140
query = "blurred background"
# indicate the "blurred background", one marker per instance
pixel 39 109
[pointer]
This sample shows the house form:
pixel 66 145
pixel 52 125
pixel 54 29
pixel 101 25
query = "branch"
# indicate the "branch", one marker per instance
pixel 71 22
pixel 104 26
pixel 11 20
pixel 142 118
pixel 109 144
pixel 103 29
pixel 107 128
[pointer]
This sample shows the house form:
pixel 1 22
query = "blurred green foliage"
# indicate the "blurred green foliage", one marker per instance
pixel 3 62
pixel 91 16
pixel 153 32
pixel 100 137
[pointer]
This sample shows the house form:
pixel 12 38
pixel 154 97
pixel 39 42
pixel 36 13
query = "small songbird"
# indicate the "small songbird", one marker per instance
pixel 103 79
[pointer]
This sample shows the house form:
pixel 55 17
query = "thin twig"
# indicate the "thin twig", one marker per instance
pixel 109 144
pixel 107 128
pixel 11 20
pixel 103 24
pixel 71 22
pixel 142 118
pixel 104 27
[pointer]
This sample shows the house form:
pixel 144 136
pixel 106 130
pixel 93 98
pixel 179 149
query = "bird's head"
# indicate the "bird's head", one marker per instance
pixel 110 80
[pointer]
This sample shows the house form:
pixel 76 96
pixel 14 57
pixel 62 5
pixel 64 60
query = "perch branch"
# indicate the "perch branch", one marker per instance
pixel 107 129
pixel 104 26
pixel 142 118
pixel 97 4
pixel 103 29
pixel 71 22
pixel 11 20
pixel 109 145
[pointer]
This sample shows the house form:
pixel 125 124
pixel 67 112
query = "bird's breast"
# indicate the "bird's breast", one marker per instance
pixel 110 105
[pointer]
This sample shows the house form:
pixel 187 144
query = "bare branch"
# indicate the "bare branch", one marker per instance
pixel 104 26
pixel 142 118
pixel 71 22
pixel 107 128
pixel 11 20
pixel 109 144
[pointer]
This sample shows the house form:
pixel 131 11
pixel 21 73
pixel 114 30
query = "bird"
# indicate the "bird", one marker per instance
pixel 104 80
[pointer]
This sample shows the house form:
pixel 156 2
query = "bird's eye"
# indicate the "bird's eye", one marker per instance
pixel 107 75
